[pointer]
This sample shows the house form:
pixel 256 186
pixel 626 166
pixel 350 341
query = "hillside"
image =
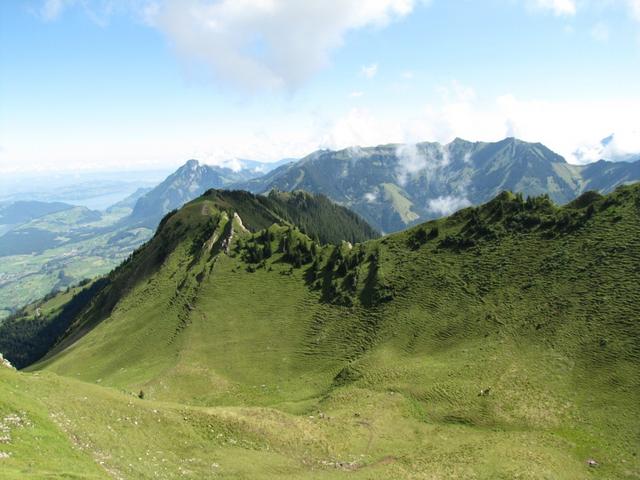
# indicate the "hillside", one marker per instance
pixel 500 342
pixel 26 336
pixel 395 186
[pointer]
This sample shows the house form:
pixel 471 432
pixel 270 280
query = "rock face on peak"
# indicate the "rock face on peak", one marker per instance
pixel 395 186
pixel 5 363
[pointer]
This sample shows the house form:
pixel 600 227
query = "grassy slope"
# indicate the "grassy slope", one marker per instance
pixel 545 317
pixel 321 219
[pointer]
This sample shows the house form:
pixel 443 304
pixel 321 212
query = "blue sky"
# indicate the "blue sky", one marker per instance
pixel 108 84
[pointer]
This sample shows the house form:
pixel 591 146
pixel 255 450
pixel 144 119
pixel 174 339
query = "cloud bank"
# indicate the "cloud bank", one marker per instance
pixel 571 128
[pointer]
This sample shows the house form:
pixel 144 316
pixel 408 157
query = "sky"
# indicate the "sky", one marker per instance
pixel 135 84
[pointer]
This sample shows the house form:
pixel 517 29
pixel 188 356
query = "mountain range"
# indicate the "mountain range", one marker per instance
pixel 391 186
pixel 395 186
pixel 277 337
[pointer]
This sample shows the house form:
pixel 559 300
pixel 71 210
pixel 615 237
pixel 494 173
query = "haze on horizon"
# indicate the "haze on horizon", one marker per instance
pixel 147 84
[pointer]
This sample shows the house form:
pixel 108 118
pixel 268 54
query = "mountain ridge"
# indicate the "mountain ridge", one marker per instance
pixel 394 186
pixel 428 190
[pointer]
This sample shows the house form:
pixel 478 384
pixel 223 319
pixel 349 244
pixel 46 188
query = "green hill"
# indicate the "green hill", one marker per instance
pixel 500 342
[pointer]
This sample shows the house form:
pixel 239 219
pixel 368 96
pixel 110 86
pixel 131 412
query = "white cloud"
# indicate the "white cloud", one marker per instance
pixel 356 94
pixel 369 71
pixel 359 126
pixel 268 43
pixel 410 162
pixel 621 146
pixel 371 197
pixel 234 164
pixel 600 32
pixel 447 205
pixel 567 127
pixel 557 7
pixel 413 159
pixel 571 128
pixel 252 44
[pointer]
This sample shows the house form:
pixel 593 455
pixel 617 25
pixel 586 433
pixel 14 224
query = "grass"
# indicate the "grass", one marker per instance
pixel 399 203
pixel 367 364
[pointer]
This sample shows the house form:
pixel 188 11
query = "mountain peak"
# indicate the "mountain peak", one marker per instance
pixel 191 164
pixel 460 141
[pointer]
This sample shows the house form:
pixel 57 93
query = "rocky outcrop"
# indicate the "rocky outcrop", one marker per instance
pixel 5 363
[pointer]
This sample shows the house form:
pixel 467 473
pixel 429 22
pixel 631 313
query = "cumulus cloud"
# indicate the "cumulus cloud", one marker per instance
pixel 252 44
pixel 268 43
pixel 369 71
pixel 446 205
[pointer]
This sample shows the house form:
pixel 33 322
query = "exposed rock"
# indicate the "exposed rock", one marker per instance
pixel 237 218
pixel 5 363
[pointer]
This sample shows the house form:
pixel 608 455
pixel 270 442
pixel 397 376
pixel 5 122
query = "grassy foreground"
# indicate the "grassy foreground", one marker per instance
pixel 502 342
